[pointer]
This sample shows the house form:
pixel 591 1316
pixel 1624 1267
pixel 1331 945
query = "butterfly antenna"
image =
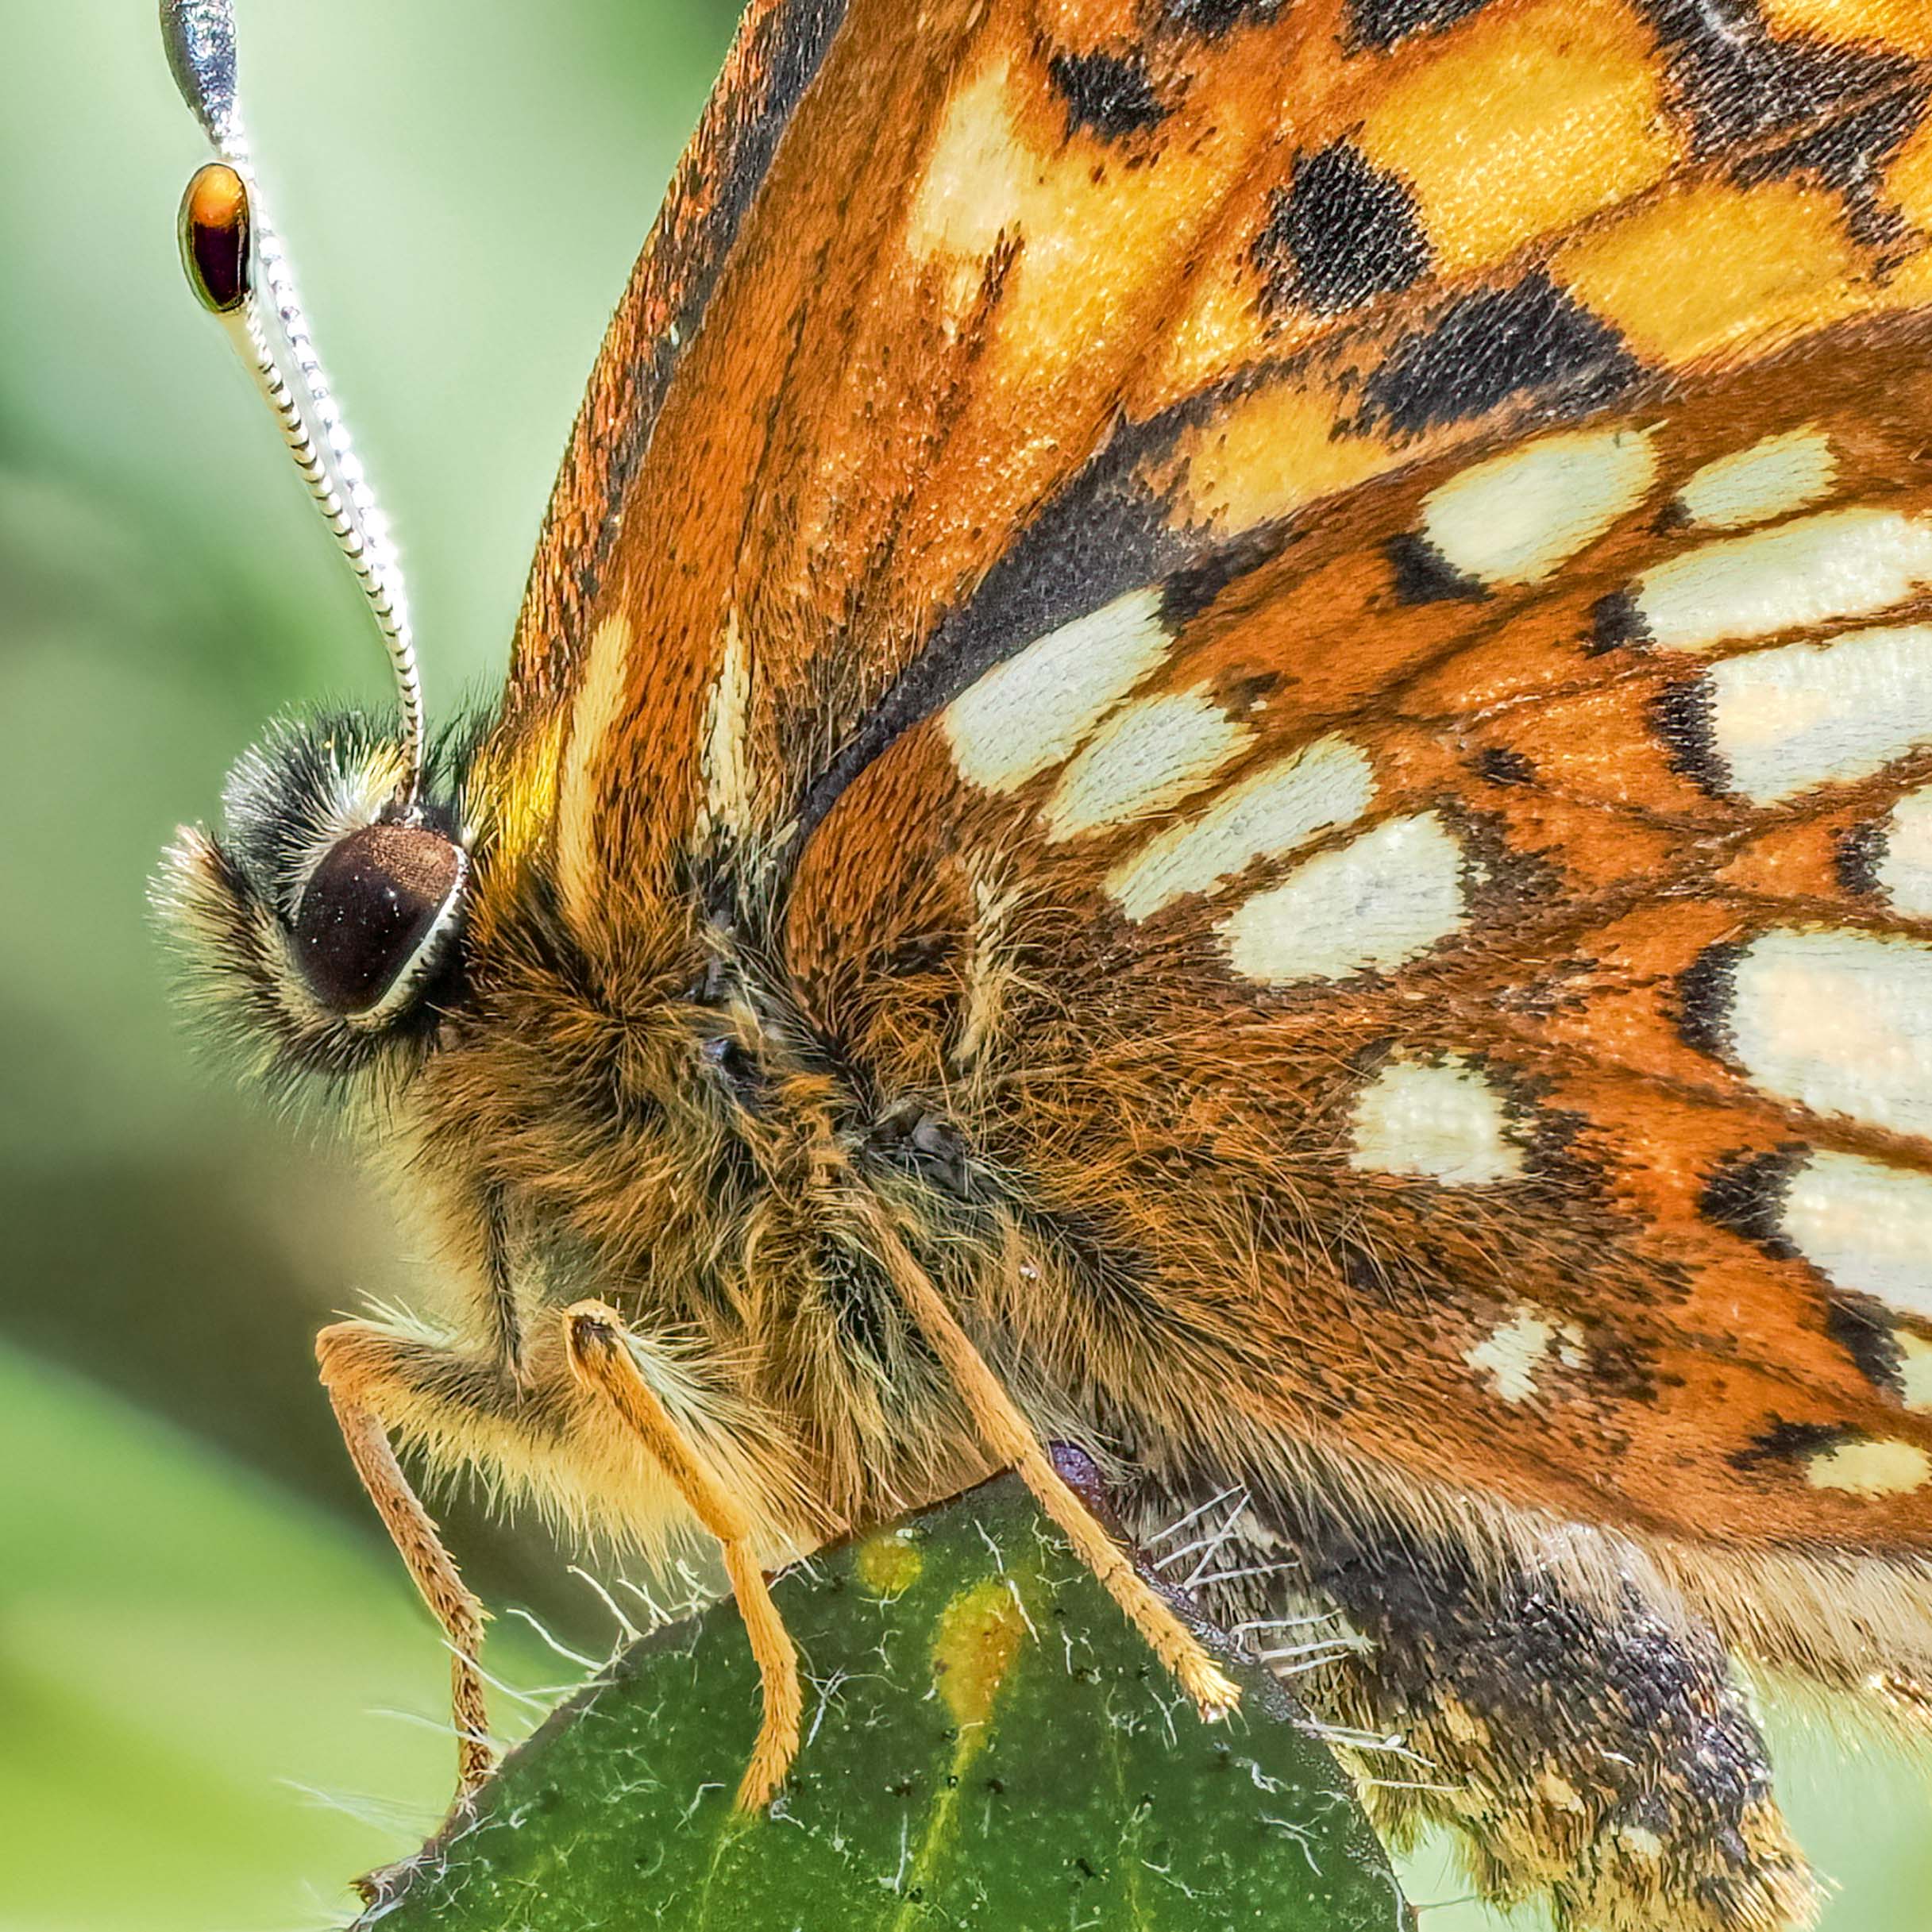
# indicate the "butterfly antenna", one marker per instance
pixel 241 273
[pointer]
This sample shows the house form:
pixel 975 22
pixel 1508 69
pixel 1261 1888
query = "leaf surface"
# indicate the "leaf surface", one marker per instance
pixel 988 1745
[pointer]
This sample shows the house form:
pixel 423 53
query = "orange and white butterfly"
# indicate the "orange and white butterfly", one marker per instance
pixel 1221 745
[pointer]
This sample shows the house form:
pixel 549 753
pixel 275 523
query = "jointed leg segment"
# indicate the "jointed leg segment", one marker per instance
pixel 353 1356
pixel 1007 1434
pixel 371 1376
pixel 594 1336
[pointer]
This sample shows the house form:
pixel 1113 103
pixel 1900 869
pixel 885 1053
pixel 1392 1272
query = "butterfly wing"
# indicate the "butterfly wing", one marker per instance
pixel 1472 961
pixel 1027 308
pixel 1307 619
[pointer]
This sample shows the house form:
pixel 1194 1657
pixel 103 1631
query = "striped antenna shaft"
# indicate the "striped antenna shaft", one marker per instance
pixel 275 343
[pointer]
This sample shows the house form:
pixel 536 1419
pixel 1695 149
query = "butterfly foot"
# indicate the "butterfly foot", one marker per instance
pixel 1215 1694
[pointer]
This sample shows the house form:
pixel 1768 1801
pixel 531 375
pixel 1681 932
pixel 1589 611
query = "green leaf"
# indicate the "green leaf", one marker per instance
pixel 988 1745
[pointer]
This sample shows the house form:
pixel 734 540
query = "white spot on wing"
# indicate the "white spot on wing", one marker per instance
pixel 970 192
pixel 1516 517
pixel 1904 870
pixel 1148 756
pixel 1512 1353
pixel 1915 1369
pixel 1032 712
pixel 1266 814
pixel 1446 1122
pixel 1877 1467
pixel 1377 901
pixel 1806 715
pixel 1839 1022
pixel 1770 480
pixel 1866 1226
pixel 725 762
pixel 1839 564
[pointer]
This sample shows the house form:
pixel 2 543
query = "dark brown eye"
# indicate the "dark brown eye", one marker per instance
pixel 375 915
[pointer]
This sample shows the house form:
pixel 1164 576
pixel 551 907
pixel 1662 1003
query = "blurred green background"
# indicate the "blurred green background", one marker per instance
pixel 218 1698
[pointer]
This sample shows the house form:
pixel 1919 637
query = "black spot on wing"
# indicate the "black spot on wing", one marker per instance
pixel 1531 342
pixel 1342 232
pixel 1615 621
pixel 1737 83
pixel 1107 95
pixel 1861 851
pixel 1382 23
pixel 1423 575
pixel 1745 1193
pixel 1704 991
pixel 1499 765
pixel 1872 1342
pixel 1214 20
pixel 1681 714
pixel 1849 155
pixel 1192 589
pixel 1791 1442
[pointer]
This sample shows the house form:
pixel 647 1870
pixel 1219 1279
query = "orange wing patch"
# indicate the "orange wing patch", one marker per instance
pixel 1160 278
pixel 1571 944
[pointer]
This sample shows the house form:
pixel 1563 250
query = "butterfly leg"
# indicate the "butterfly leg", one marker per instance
pixel 364 1370
pixel 594 1337
pixel 1007 1434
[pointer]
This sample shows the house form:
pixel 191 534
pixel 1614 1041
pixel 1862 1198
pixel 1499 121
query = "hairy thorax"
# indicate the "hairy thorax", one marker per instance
pixel 676 1141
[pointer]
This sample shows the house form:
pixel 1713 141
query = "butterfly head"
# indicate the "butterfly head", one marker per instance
pixel 321 923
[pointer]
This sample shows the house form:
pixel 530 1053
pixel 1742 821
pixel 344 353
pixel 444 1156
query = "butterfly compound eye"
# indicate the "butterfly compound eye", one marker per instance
pixel 216 226
pixel 376 916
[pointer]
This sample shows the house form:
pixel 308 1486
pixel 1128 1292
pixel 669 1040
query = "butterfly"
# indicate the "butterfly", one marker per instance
pixel 1220 747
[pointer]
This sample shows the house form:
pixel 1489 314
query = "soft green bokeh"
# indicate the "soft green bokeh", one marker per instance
pixel 195 1616
pixel 192 1666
